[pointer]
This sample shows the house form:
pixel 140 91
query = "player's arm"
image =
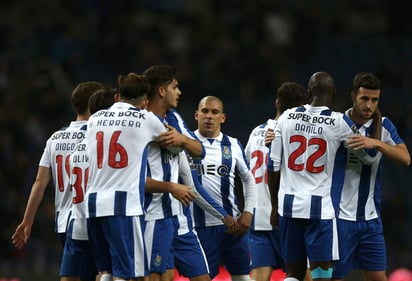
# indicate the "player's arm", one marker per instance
pixel 249 189
pixel 273 183
pixel 181 192
pixel 376 129
pixel 275 152
pixel 173 138
pixel 398 153
pixel 23 230
pixel 203 199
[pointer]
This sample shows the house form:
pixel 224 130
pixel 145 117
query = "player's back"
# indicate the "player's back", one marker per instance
pixel 79 169
pixel 257 154
pixel 118 141
pixel 56 156
pixel 310 137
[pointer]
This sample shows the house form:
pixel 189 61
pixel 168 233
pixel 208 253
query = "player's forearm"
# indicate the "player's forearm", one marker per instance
pixel 398 153
pixel 35 198
pixel 273 183
pixel 193 147
pixel 249 190
pixel 155 186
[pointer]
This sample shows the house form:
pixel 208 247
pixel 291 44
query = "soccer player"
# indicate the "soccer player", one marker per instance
pixel 303 153
pixel 117 146
pixel 54 166
pixel 166 225
pixel 263 238
pixel 224 157
pixel 360 229
pixel 77 262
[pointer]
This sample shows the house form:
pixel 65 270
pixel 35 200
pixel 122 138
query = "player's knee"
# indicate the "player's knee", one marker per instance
pixel 240 277
pixel 318 273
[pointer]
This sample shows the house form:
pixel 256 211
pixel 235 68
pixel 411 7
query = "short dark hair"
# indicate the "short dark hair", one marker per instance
pixel 101 99
pixel 133 86
pixel 290 94
pixel 366 80
pixel 160 75
pixel 82 93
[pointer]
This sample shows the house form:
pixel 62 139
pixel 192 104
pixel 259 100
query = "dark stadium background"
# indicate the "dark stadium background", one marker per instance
pixel 238 50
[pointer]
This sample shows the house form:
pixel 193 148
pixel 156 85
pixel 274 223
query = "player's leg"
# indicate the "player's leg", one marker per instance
pixel 212 242
pixel 169 275
pixel 236 256
pixel 372 252
pixel 265 254
pixel 349 237
pixel 126 240
pixel 99 248
pixel 158 240
pixel 291 235
pixel 77 262
pixel 321 242
pixel 190 259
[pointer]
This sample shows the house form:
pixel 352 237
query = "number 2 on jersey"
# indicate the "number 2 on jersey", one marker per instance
pixel 310 162
pixel 117 153
pixel 261 159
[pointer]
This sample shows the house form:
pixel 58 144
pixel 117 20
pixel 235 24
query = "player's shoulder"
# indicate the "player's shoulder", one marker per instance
pixel 232 141
pixel 59 131
pixel 387 122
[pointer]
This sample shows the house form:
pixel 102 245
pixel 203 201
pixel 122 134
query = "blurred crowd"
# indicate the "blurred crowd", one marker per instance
pixel 238 50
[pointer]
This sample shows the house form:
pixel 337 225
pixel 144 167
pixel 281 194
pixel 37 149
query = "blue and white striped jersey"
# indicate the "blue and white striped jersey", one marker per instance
pixel 56 156
pixel 175 168
pixel 257 154
pixel 118 141
pixel 304 148
pixel 162 166
pixel 216 172
pixel 359 197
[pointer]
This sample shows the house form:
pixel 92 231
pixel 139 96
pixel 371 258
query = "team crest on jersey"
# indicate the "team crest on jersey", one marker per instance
pixel 157 261
pixel 226 152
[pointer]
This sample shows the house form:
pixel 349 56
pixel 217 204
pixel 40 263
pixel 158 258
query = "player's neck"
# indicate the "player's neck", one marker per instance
pixel 157 108
pixel 82 117
pixel 356 118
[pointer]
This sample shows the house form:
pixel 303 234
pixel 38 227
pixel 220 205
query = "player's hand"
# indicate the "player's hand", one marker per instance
pixel 183 193
pixel 231 224
pixel 171 138
pixel 244 222
pixel 270 135
pixel 357 142
pixel 21 235
pixel 274 218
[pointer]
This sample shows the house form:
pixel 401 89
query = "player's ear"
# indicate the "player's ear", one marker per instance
pixel 353 96
pixel 196 115
pixel 223 118
pixel 161 91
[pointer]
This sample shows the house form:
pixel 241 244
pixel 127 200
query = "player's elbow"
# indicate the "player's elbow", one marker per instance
pixel 407 160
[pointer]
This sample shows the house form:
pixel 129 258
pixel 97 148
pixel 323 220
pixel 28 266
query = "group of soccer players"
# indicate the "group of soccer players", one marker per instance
pixel 127 171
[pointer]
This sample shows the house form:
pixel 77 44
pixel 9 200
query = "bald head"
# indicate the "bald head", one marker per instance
pixel 210 99
pixel 210 116
pixel 321 85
